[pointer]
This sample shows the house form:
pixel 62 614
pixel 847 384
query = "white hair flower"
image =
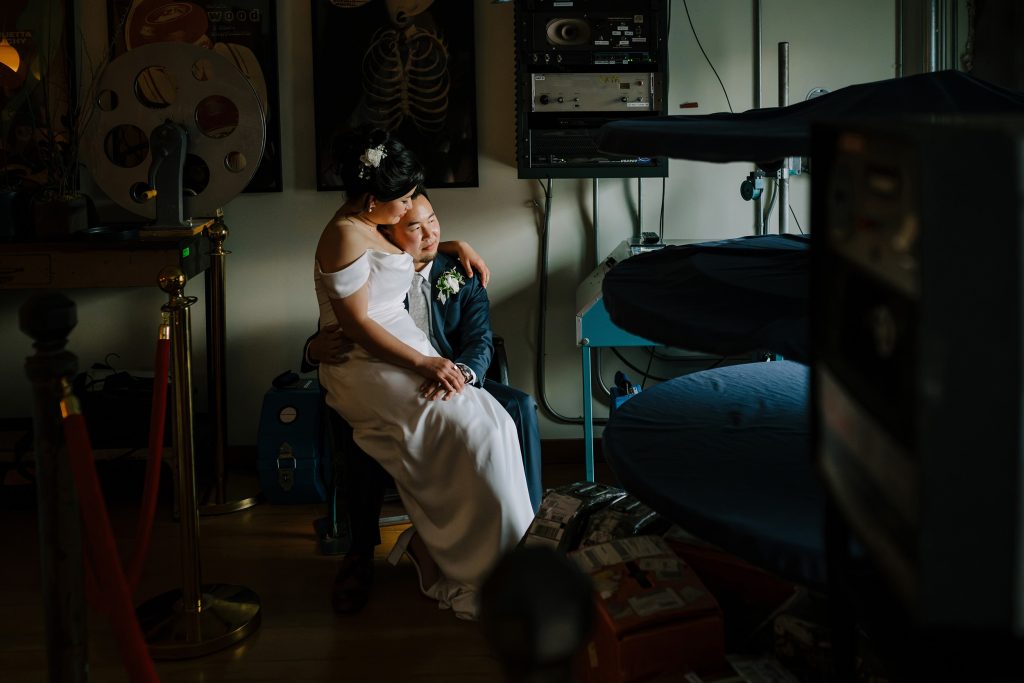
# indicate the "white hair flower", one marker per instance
pixel 371 158
pixel 448 284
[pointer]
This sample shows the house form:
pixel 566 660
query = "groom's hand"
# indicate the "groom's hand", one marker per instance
pixel 330 346
pixel 444 378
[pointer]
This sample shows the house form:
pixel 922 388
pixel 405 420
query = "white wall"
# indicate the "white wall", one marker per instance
pixel 271 308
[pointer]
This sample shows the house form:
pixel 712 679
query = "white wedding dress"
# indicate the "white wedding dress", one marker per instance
pixel 456 463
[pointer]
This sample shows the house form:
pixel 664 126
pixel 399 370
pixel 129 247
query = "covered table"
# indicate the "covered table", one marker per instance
pixel 726 297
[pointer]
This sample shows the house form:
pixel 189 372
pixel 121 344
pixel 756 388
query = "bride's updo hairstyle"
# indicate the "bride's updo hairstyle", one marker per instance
pixel 372 162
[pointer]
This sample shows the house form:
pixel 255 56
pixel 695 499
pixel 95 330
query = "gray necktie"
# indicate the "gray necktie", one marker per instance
pixel 419 307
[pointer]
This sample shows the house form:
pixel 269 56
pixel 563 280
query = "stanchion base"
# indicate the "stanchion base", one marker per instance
pixel 228 615
pixel 210 509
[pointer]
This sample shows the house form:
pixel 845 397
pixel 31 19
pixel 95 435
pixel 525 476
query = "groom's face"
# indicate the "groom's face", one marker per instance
pixel 418 232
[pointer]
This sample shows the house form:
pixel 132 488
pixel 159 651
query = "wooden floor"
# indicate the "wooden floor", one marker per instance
pixel 272 550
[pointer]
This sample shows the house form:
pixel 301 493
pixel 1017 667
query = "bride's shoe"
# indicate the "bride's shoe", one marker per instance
pixel 402 547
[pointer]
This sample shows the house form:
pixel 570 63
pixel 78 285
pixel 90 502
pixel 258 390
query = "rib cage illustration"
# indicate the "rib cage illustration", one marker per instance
pixel 405 76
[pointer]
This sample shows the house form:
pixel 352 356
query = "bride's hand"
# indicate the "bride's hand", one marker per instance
pixel 444 378
pixel 471 261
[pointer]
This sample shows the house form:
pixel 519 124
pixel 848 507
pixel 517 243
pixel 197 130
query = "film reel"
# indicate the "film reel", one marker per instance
pixel 198 89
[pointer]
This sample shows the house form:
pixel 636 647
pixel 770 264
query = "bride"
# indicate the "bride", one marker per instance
pixel 450 447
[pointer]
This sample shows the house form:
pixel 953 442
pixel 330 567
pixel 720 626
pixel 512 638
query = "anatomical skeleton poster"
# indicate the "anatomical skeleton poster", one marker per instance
pixel 406 66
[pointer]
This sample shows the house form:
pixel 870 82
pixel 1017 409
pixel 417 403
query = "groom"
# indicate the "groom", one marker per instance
pixel 459 327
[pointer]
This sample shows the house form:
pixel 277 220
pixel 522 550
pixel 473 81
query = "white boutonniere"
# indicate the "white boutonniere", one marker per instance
pixel 448 284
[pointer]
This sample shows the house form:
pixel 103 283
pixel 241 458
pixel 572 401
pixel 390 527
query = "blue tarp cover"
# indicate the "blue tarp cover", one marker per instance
pixel 725 453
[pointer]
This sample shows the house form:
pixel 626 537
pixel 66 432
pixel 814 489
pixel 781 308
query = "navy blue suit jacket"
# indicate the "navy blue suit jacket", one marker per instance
pixel 462 325
pixel 462 331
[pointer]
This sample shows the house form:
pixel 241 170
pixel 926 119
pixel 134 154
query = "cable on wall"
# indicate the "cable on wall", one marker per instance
pixel 708 59
pixel 542 320
pixel 661 216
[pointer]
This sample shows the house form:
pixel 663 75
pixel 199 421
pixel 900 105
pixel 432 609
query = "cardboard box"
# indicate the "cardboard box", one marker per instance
pixel 734 582
pixel 652 614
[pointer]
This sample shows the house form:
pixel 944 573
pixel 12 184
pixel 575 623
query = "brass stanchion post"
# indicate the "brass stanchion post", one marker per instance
pixel 196 619
pixel 216 370
pixel 48 318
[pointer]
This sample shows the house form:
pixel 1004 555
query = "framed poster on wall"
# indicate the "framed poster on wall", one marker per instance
pixel 406 67
pixel 244 31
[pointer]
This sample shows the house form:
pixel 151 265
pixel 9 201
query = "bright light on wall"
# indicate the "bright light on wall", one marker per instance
pixel 9 57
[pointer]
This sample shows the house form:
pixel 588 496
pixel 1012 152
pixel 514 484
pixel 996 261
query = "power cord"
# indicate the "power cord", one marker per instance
pixel 647 373
pixel 542 314
pixel 634 368
pixel 713 69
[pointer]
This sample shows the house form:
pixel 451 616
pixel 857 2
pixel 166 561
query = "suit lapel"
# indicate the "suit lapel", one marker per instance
pixel 438 310
pixel 436 268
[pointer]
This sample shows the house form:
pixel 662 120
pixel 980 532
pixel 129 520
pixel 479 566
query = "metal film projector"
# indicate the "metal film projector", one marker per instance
pixel 176 133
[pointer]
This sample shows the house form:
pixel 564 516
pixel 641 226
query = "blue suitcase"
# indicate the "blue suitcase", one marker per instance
pixel 294 465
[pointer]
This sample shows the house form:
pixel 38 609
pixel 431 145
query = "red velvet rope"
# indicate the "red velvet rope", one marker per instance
pixel 151 486
pixel 108 587
pixel 102 554
pixel 156 451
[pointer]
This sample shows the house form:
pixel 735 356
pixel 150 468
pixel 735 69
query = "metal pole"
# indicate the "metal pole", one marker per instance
pixel 48 318
pixel 197 619
pixel 172 281
pixel 898 47
pixel 588 412
pixel 951 35
pixel 597 208
pixel 931 38
pixel 759 226
pixel 215 360
pixel 784 170
pixel 757 54
pixel 639 207
pixel 216 368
